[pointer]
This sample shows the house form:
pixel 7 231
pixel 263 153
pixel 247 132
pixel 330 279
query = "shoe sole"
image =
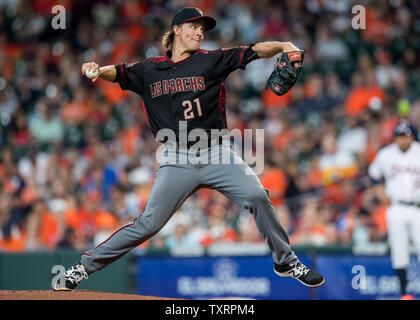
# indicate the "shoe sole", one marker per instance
pixel 305 284
pixel 62 289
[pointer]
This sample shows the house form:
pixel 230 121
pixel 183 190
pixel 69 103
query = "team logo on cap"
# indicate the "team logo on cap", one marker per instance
pixel 407 131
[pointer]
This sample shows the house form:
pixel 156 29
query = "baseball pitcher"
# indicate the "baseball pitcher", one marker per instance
pixel 399 165
pixel 187 85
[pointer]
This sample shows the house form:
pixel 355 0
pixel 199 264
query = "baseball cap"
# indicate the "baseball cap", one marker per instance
pixel 189 14
pixel 404 128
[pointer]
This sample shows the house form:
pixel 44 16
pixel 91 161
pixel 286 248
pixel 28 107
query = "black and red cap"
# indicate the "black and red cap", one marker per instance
pixel 189 14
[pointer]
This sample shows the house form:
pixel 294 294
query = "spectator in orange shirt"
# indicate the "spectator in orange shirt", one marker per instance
pixel 42 228
pixel 282 140
pixel 271 100
pixel 334 163
pixel 274 180
pixel 366 95
pixel 378 24
pixel 75 111
pixel 90 218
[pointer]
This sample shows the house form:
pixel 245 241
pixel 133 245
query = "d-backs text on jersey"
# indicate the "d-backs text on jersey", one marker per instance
pixel 177 85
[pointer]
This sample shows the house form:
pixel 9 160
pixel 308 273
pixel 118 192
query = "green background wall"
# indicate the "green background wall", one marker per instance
pixel 32 271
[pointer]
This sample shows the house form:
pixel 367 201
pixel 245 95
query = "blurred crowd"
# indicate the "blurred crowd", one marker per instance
pixel 77 159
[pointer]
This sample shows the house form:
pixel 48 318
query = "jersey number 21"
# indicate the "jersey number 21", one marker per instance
pixel 189 112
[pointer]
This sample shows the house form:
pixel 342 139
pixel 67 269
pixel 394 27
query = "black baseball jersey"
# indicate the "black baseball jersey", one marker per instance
pixel 191 90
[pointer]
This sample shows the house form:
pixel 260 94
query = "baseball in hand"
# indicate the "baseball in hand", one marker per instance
pixel 91 74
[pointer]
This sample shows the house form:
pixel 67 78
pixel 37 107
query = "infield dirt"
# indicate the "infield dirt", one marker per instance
pixel 71 295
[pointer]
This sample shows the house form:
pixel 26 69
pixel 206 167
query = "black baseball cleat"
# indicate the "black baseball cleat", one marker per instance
pixel 301 273
pixel 72 278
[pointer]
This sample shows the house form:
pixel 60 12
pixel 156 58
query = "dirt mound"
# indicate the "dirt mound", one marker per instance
pixel 71 295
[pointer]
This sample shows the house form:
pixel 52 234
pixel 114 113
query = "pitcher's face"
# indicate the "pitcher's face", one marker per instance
pixel 191 34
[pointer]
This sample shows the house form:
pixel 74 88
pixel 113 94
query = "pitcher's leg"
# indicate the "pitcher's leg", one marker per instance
pixel 250 194
pixel 172 186
pixel 238 182
pixel 267 221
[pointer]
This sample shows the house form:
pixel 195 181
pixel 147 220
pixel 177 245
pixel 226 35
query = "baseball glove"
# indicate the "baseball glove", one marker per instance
pixel 285 74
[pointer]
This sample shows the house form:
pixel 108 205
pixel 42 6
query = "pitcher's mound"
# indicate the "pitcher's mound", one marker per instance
pixel 71 295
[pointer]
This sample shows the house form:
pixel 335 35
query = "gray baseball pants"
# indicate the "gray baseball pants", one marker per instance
pixel 175 182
